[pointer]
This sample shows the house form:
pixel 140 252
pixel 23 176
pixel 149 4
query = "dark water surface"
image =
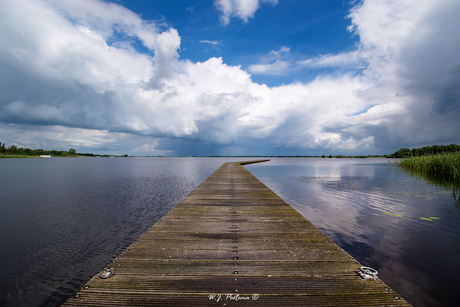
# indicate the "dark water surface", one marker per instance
pixel 63 219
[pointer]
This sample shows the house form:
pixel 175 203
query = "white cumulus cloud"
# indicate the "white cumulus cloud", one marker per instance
pixel 243 9
pixel 65 70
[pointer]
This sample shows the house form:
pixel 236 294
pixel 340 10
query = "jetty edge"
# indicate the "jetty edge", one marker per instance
pixel 233 242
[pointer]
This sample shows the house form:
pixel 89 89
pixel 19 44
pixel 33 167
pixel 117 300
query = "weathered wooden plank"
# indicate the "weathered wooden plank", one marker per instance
pixel 233 241
pixel 230 299
pixel 250 246
pixel 168 267
pixel 310 235
pixel 318 254
pixel 310 286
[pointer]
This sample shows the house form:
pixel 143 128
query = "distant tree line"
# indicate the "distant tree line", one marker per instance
pixel 14 150
pixel 424 151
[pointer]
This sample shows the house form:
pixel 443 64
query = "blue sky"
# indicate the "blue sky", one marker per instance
pixel 229 77
pixel 307 28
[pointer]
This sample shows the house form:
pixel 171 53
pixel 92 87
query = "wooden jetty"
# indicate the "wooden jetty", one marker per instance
pixel 233 241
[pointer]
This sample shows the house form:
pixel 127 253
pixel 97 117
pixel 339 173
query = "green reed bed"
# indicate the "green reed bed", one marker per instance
pixel 446 166
pixel 13 156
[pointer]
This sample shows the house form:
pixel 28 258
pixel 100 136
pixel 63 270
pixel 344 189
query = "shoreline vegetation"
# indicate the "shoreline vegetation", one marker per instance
pixel 424 151
pixel 14 152
pixel 441 168
pixel 438 165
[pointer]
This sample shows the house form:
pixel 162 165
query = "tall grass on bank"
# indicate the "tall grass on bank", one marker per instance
pixel 445 166
pixel 15 156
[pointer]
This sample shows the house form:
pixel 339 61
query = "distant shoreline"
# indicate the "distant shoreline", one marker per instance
pixel 7 156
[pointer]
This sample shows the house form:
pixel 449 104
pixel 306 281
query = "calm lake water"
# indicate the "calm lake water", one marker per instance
pixel 63 219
